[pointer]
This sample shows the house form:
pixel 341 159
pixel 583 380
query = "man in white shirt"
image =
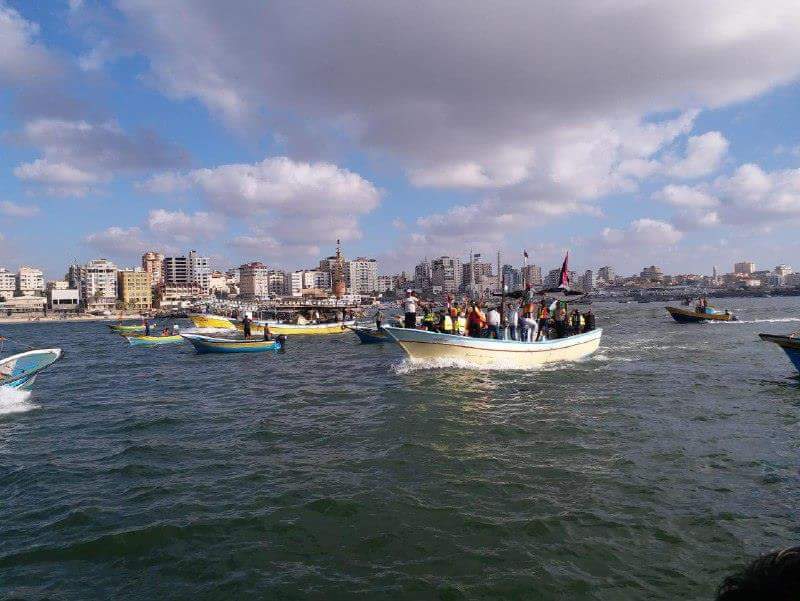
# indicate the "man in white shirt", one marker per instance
pixel 493 321
pixel 410 308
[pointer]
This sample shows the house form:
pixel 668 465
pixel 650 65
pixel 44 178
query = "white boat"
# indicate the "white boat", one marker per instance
pixel 20 371
pixel 433 347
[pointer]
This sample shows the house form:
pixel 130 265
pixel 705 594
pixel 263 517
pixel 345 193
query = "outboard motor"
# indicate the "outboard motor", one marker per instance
pixel 281 339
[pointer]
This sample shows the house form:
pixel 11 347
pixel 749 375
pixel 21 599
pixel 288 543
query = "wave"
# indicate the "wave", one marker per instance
pixel 15 401
pixel 408 365
pixel 771 320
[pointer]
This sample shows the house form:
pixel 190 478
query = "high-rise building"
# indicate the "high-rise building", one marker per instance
pixel 278 282
pixel 446 274
pixel 422 275
pixel 192 269
pixel 588 281
pixel 199 271
pixel 8 283
pixel 176 270
pixel 385 283
pixel 553 278
pixel 476 274
pixel 744 267
pixel 363 275
pixel 607 274
pixel 30 282
pixel 652 273
pixel 512 278
pixel 531 274
pixel 254 280
pixel 98 285
pixel 153 263
pixel 308 279
pixel 783 270
pixel 135 289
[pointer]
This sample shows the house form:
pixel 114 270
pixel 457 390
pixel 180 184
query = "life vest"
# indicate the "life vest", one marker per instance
pixel 448 323
pixel 462 324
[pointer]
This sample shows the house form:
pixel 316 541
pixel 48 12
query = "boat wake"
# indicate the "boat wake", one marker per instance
pixel 407 365
pixel 15 401
pixel 773 320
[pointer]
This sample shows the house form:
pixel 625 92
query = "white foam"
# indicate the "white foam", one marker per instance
pixel 15 401
pixel 774 320
pixel 408 365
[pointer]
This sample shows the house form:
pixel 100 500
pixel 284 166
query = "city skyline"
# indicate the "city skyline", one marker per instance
pixel 141 133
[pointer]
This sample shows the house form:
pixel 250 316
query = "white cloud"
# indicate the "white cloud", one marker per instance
pixel 704 155
pixel 11 209
pixel 685 196
pixel 752 195
pixel 78 155
pixel 300 201
pixel 185 227
pixel 116 241
pixel 22 57
pixel 640 234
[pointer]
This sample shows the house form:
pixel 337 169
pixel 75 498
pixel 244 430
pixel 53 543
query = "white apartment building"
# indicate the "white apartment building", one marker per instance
pixel 192 269
pixel 446 274
pixel 278 282
pixel 306 279
pixel 98 285
pixel 8 283
pixel 30 282
pixel 363 275
pixel 253 280
pixel 385 283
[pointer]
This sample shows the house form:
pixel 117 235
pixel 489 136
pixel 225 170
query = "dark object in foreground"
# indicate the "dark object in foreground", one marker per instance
pixel 789 344
pixel 772 577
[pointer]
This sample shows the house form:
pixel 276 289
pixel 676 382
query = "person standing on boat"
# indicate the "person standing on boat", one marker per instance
pixel 588 319
pixel 246 327
pixel 543 317
pixel 410 308
pixel 146 327
pixel 513 320
pixel 493 321
pixel 379 320
pixel 575 322
pixel 267 333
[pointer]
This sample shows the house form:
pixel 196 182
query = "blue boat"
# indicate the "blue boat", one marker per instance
pixel 207 344
pixel 789 344
pixel 20 371
pixel 370 335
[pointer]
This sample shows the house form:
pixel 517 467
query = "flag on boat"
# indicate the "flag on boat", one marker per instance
pixel 563 280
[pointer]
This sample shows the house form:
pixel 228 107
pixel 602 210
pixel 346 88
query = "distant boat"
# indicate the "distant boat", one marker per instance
pixel 370 335
pixel 296 329
pixel 20 371
pixel 690 316
pixel 124 329
pixel 207 320
pixel 152 340
pixel 789 344
pixel 207 344
pixel 423 345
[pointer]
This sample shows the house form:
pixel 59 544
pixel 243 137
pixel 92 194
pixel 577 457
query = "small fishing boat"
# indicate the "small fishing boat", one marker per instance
pixel 208 344
pixel 20 371
pixel 296 329
pixel 789 344
pixel 692 316
pixel 208 320
pixel 125 329
pixel 142 340
pixel 426 346
pixel 370 335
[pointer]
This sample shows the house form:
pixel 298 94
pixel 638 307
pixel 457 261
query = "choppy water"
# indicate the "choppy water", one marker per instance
pixel 336 470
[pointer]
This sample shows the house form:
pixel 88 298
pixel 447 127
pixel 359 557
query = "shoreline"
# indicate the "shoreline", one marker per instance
pixel 57 319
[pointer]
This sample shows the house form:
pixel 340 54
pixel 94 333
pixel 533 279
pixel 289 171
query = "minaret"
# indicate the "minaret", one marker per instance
pixel 337 279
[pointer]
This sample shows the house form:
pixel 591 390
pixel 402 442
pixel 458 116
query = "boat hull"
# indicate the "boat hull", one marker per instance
pixel 20 371
pixel 290 329
pixel 122 329
pixel 790 346
pixel 153 340
pixel 432 347
pixel 370 335
pixel 206 344
pixel 218 322
pixel 688 316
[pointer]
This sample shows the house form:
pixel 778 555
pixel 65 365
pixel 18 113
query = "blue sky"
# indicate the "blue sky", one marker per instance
pixel 626 132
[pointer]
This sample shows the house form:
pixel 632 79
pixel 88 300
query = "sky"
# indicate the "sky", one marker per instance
pixel 627 132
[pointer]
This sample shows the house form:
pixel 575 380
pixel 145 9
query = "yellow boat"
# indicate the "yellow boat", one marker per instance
pixel 203 320
pixel 294 329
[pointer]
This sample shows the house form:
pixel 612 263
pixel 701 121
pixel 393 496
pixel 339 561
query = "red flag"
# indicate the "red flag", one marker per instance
pixel 564 279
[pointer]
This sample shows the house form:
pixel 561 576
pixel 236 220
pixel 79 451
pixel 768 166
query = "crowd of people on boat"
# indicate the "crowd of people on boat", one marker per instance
pixel 525 320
